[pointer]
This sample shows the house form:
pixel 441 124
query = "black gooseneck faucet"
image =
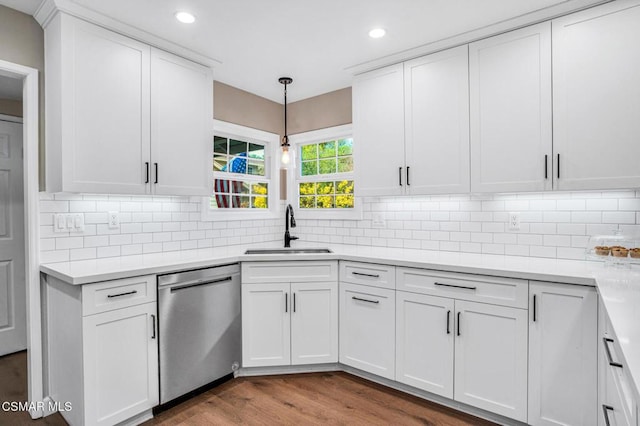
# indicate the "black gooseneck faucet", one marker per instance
pixel 287 236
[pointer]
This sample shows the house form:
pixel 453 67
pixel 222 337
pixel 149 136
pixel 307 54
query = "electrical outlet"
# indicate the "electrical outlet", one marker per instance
pixel 377 220
pixel 514 221
pixel 114 220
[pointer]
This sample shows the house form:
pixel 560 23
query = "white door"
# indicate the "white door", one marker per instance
pixel 510 93
pixel 121 364
pixel 491 358
pixel 596 63
pixel 181 126
pixel 378 131
pixel 424 342
pixel 266 330
pixel 105 110
pixel 314 323
pixel 13 321
pixel 367 331
pixel 437 122
pixel 563 351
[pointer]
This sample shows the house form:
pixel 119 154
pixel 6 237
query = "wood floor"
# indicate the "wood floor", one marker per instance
pixel 13 387
pixel 309 399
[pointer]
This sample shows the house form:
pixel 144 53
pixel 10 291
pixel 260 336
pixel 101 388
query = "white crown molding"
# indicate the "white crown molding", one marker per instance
pixel 48 9
pixel 541 15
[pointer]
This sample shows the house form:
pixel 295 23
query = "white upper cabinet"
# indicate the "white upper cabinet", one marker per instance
pixel 378 128
pixel 115 109
pixel 510 103
pixel 181 125
pixel 596 63
pixel 437 123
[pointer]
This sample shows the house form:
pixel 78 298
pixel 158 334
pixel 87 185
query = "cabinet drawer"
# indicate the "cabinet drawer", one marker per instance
pixel 475 288
pixel 116 294
pixel 371 274
pixel 278 272
pixel 619 391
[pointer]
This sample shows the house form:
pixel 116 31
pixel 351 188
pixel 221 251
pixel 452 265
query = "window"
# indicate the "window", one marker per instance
pixel 324 183
pixel 244 180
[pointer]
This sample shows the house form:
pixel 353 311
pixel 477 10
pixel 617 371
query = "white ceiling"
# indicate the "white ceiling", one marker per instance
pixel 10 88
pixel 258 41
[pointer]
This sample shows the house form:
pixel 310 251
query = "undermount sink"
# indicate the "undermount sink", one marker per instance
pixel 288 251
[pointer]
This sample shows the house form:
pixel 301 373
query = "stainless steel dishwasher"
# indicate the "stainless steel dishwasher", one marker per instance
pixel 200 331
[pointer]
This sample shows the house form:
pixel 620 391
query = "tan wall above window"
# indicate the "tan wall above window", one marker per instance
pixel 327 110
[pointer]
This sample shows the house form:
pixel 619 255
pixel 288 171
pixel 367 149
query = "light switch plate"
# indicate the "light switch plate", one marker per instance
pixel 68 222
pixel 377 220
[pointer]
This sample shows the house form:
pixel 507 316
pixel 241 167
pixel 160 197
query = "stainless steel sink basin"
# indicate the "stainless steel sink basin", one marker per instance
pixel 288 251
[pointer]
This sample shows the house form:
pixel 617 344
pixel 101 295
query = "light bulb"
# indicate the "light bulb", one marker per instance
pixel 285 156
pixel 185 17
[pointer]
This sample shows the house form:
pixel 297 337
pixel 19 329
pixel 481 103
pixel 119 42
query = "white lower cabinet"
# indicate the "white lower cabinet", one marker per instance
pixel 367 332
pixel 562 355
pixel 294 322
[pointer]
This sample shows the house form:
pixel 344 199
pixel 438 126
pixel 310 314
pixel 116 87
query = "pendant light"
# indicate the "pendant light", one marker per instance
pixel 285 139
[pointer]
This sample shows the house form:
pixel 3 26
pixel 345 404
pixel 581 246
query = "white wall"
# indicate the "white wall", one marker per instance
pixel 147 225
pixel 554 224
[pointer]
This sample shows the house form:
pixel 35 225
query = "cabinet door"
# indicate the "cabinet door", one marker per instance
pixel 491 358
pixel 378 128
pixel 314 323
pixel 424 342
pixel 596 63
pixel 562 355
pixel 510 92
pixel 104 120
pixel 181 126
pixel 437 122
pixel 265 325
pixel 367 332
pixel 120 352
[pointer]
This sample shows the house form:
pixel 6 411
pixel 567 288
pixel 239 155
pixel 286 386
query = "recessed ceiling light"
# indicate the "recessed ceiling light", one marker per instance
pixel 185 17
pixel 377 33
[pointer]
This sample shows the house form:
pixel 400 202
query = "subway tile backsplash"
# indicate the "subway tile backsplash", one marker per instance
pixel 554 224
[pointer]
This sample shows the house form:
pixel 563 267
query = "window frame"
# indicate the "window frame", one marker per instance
pixel 295 178
pixel 271 142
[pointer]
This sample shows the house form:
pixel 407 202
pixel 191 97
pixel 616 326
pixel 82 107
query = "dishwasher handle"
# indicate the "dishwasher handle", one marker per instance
pixel 198 283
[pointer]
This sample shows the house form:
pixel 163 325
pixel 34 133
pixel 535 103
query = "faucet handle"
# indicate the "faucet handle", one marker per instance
pixel 294 238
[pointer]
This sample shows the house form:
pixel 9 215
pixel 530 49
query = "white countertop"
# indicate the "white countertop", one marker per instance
pixel 619 288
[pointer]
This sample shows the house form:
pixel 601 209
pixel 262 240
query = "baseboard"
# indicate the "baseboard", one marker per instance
pixel 287 369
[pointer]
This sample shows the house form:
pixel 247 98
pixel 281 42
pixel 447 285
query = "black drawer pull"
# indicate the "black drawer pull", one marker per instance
pixel 156 167
pixel 448 315
pixel 459 323
pixel 122 294
pixel 400 175
pixel 153 326
pixel 286 302
pixel 612 363
pixel 534 308
pixel 605 412
pixel 366 275
pixel 365 300
pixel 147 165
pixel 546 174
pixel 455 286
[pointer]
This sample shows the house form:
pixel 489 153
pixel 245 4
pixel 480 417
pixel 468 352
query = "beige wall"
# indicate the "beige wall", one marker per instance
pixel 22 42
pixel 327 110
pixel 237 106
pixel 11 107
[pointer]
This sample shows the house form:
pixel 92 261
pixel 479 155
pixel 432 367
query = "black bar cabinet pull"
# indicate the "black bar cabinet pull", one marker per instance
pixel 558 166
pixel 400 175
pixel 156 167
pixel 122 294
pixel 448 315
pixel 294 302
pixel 605 412
pixel 534 308
pixel 408 176
pixel 455 286
pixel 546 174
pixel 365 300
pixel 286 302
pixel 366 275
pixel 612 363
pixel 459 323
pixel 153 326
pixel 147 166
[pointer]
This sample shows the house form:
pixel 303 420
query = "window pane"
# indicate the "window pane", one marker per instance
pixel 259 188
pixel 307 188
pixel 345 146
pixel 237 147
pixel 327 166
pixel 219 145
pixel 309 152
pixel 344 201
pixel 255 168
pixel 237 164
pixel 307 202
pixel 327 149
pixel 345 164
pixel 324 188
pixel 245 202
pixel 220 163
pixel 221 201
pixel 309 168
pixel 256 151
pixel 259 202
pixel 325 201
pixel 239 187
pixel 344 187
